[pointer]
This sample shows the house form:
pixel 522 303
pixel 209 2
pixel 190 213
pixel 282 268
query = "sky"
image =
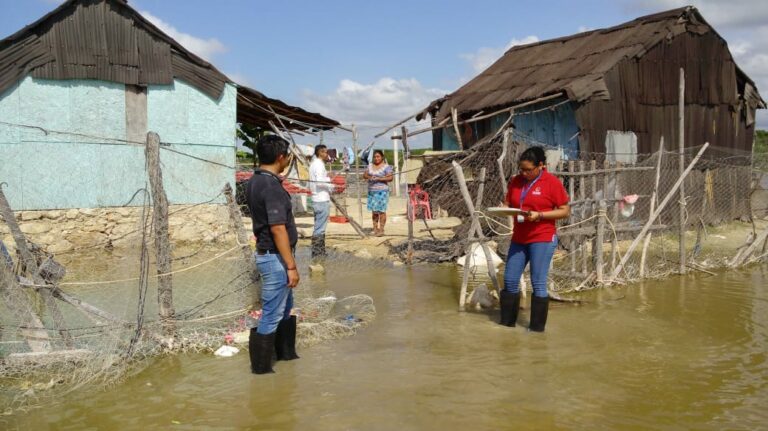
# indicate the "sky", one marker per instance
pixel 373 63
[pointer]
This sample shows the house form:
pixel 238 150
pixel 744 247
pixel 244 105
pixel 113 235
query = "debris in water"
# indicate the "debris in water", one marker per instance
pixel 226 351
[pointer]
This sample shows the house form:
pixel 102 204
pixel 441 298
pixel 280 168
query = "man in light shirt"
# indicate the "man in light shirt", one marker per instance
pixel 321 187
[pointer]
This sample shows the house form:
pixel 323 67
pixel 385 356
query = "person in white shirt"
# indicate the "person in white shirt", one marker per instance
pixel 321 187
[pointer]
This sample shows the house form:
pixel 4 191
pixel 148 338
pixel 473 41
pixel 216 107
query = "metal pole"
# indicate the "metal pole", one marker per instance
pixel 681 143
pixel 358 183
pixel 395 144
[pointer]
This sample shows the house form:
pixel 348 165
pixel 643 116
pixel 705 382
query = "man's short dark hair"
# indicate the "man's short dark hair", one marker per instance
pixel 270 147
pixel 318 148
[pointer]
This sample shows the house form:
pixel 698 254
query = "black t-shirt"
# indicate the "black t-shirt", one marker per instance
pixel 270 204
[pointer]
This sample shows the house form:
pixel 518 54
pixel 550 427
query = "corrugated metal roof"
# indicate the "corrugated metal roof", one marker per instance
pixel 109 40
pixel 575 65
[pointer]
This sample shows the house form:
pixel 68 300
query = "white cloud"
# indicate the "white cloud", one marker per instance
pixel 583 28
pixel 485 56
pixel 382 102
pixel 719 13
pixel 205 48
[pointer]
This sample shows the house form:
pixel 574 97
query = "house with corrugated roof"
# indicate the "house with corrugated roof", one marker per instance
pixel 613 90
pixel 81 87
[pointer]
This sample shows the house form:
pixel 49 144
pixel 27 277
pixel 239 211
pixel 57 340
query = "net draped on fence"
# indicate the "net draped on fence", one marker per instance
pixel 103 320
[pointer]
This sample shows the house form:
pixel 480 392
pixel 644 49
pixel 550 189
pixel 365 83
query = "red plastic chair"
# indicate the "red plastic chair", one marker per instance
pixel 419 201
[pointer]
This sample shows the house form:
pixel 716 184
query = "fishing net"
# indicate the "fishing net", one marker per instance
pixel 101 322
pixel 97 321
pixel 612 198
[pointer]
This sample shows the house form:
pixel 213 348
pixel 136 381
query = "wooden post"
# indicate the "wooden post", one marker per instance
pixel 614 236
pixel 571 192
pixel 500 163
pixel 410 215
pixel 654 195
pixel 593 168
pixel 658 211
pixel 599 238
pixel 479 229
pixel 36 338
pixel 475 229
pixel 396 164
pixel 583 198
pixel 236 222
pixel 406 156
pixel 358 176
pixel 162 242
pixel 19 305
pixel 455 116
pixel 681 164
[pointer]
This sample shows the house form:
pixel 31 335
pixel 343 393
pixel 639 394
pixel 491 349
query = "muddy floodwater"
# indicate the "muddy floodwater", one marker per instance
pixel 685 353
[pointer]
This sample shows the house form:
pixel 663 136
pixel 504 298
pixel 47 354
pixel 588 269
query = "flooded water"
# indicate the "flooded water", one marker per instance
pixel 686 353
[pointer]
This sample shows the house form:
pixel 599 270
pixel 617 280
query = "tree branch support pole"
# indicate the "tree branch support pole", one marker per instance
pixel 358 180
pixel 656 213
pixel 654 197
pixel 37 338
pixel 236 222
pixel 396 162
pixel 503 178
pixel 681 144
pixel 162 242
pixel 602 213
pixel 455 117
pixel 475 234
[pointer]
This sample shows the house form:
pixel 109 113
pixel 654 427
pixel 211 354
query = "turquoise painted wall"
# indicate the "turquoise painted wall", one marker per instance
pixel 66 170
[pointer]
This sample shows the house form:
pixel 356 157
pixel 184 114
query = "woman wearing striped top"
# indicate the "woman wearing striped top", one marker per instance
pixel 378 174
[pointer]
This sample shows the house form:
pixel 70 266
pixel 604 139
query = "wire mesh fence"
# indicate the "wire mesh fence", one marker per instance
pixel 102 321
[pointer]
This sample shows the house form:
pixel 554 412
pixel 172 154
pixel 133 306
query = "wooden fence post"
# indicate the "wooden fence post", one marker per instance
pixel 582 216
pixel 658 211
pixel 572 243
pixel 654 197
pixel 599 238
pixel 681 165
pixel 37 337
pixel 162 242
pixel 236 221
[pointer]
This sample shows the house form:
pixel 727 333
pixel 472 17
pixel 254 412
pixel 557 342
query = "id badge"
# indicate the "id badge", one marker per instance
pixel 520 218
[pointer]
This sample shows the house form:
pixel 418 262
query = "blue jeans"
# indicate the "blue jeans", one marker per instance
pixel 539 254
pixel 322 211
pixel 276 296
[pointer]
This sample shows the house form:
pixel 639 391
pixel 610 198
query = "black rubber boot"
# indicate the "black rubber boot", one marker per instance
pixel 318 246
pixel 285 341
pixel 510 305
pixel 539 310
pixel 261 347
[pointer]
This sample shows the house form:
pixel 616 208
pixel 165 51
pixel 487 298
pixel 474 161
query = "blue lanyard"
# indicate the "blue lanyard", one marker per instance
pixel 525 190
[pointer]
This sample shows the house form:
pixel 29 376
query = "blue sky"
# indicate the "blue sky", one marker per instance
pixel 371 63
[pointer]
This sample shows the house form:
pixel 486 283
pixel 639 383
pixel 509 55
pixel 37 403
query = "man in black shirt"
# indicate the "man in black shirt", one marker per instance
pixel 276 236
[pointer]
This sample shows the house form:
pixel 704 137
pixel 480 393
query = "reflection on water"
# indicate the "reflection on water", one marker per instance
pixel 686 353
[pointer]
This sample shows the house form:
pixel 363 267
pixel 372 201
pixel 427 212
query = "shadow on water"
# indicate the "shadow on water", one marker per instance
pixel 685 353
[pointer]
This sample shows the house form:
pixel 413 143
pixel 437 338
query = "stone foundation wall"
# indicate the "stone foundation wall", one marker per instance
pixel 65 230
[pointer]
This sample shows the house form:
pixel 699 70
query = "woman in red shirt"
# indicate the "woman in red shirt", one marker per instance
pixel 534 238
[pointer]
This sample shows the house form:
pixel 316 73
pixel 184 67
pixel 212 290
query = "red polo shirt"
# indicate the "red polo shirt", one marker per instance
pixel 546 194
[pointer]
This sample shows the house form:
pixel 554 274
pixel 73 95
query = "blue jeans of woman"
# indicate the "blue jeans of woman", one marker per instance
pixel 276 296
pixel 539 254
